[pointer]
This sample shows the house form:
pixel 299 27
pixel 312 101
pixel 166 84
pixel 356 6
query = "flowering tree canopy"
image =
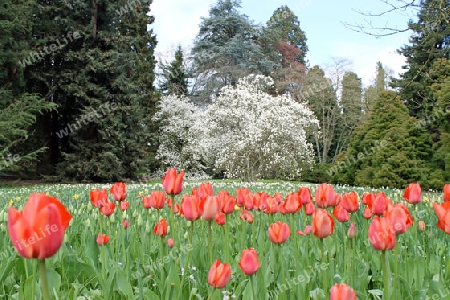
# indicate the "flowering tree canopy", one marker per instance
pixel 250 134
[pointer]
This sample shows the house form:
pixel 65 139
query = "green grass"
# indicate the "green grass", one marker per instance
pixel 136 264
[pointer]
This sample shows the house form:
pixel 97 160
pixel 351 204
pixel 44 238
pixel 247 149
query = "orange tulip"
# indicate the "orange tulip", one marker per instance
pixel 271 206
pixel 209 208
pixel 119 191
pixel 349 202
pixel 342 292
pixel 443 215
pixel 205 189
pixel 304 195
pixel 108 208
pixel 279 232
pixel 447 192
pixel 156 200
pixel 307 231
pixel 219 275
pixel 98 198
pixel 161 228
pixel 190 207
pixel 413 193
pixel 367 198
pixel 226 202
pixel 325 196
pixel 249 262
pixel 38 231
pixel 102 239
pixel 382 234
pixel 400 217
pixel 241 194
pixel 323 224
pixel 172 182
pixel 341 214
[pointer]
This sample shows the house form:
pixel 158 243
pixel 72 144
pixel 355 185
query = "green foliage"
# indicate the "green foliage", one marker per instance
pixel 391 149
pixel 175 77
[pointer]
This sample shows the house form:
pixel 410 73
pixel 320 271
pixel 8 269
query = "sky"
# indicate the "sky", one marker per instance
pixel 328 39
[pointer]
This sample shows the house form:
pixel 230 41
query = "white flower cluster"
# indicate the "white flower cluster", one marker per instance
pixel 246 132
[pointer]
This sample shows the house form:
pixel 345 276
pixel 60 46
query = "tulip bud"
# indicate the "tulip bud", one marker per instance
pixel 139 221
pixel 421 225
pixel 351 231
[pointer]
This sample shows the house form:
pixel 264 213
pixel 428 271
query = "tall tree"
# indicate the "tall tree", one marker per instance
pixel 18 108
pixel 103 84
pixel 225 49
pixel 430 40
pixel 284 27
pixel 174 77
pixel 351 110
pixel 372 92
pixel 321 98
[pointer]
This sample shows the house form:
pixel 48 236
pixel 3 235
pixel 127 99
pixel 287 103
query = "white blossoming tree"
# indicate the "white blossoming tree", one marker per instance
pixel 177 147
pixel 249 134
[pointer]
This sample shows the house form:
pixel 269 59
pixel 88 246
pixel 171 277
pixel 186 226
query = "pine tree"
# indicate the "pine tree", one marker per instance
pixel 18 108
pixel 103 84
pixel 174 76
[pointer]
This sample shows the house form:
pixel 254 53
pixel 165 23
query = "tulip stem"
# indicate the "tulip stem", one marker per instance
pixel 253 287
pixel 385 276
pixel 210 242
pixel 44 281
pixel 322 258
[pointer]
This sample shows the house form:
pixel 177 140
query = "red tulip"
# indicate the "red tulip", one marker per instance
pixel 379 204
pixel 367 198
pixel 156 200
pixel 38 231
pixel 271 206
pixel 421 225
pixel 279 232
pixel 170 242
pixel 172 182
pixel 447 192
pixel 124 205
pixel 323 224
pixel 342 292
pixel 413 193
pixel 119 191
pixel 125 224
pixel 246 216
pixel 102 239
pixel 309 208
pixel 226 202
pixel 304 195
pixel 381 234
pixel 341 214
pixel 249 262
pixel 443 215
pixel 205 189
pixel 307 231
pixel 325 196
pixel 367 213
pixel 98 198
pixel 292 204
pixel 351 233
pixel 241 194
pixel 220 220
pixel 209 208
pixel 219 275
pixel 190 207
pixel 108 208
pixel 349 202
pixel 400 217
pixel 161 228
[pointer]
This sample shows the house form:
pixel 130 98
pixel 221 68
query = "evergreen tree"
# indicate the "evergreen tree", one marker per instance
pixel 174 76
pixel 389 150
pixel 284 27
pixel 18 108
pixel 103 84
pixel 430 40
pixel 225 50
pixel 373 91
